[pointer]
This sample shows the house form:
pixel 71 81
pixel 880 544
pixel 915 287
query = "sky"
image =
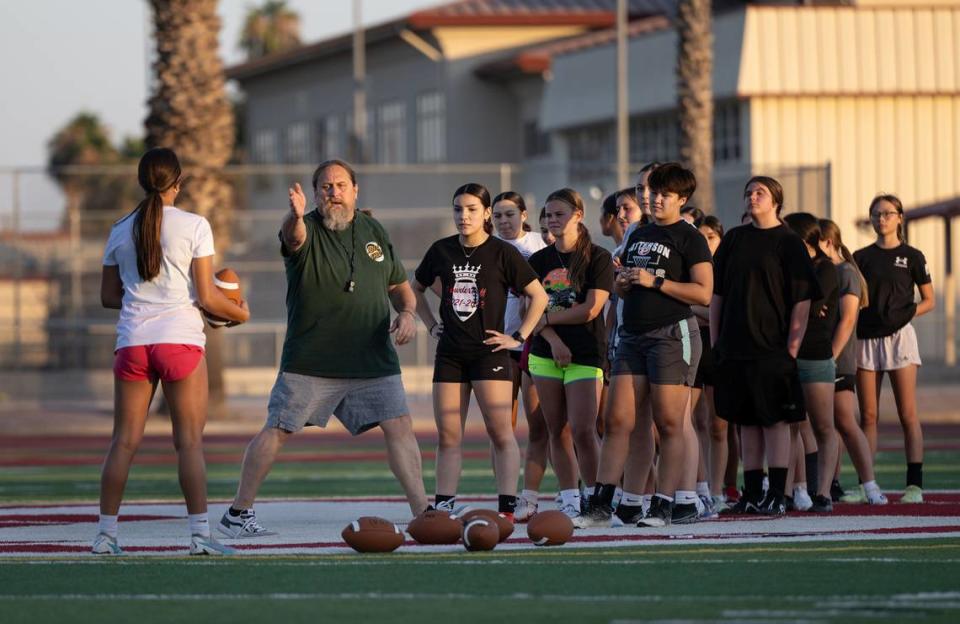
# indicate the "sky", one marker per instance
pixel 60 57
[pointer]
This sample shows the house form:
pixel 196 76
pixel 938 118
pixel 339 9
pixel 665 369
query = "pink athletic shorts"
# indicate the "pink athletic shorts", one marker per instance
pixel 167 362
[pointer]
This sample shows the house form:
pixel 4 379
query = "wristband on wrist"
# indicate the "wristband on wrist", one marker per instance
pixel 546 318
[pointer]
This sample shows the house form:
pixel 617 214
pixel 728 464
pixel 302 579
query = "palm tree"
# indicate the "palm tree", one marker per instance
pixel 695 94
pixel 84 140
pixel 191 113
pixel 270 28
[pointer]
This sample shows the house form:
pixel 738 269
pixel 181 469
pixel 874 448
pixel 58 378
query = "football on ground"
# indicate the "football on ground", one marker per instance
pixel 550 528
pixel 435 527
pixel 503 523
pixel 480 534
pixel 227 280
pixel 369 534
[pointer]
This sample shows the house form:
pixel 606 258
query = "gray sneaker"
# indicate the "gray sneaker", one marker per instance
pixel 206 545
pixel 242 526
pixel 104 544
pixel 451 507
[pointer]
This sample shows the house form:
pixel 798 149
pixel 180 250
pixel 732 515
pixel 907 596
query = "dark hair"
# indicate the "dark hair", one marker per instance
pixel 158 171
pixel 694 212
pixel 895 201
pixel 630 191
pixel 673 178
pixel 713 223
pixel 806 226
pixel 653 164
pixel 830 231
pixel 577 271
pixel 543 213
pixel 515 198
pixel 609 205
pixel 480 192
pixel 776 191
pixel 333 162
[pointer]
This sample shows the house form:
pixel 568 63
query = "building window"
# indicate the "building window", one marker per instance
pixel 297 143
pixel 591 152
pixel 654 137
pixel 369 147
pixel 265 147
pixel 392 133
pixel 327 139
pixel 726 132
pixel 431 127
pixel 535 141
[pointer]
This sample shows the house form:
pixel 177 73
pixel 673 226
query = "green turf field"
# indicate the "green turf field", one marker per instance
pixel 837 582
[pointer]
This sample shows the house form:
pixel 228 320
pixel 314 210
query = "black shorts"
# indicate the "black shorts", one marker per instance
pixel 473 367
pixel 758 392
pixel 845 381
pixel 706 370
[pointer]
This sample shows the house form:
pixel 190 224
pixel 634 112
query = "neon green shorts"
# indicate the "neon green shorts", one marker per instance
pixel 546 367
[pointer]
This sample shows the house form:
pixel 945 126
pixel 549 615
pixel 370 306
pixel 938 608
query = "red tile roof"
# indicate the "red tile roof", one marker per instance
pixel 596 13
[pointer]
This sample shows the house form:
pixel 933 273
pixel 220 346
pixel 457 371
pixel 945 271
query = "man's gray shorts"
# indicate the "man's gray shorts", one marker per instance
pixel 360 404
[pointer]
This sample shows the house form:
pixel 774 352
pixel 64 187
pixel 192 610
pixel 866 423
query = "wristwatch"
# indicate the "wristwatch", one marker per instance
pixel 657 283
pixel 518 336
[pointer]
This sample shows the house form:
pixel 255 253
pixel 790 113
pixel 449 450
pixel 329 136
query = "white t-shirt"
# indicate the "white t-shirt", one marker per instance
pixel 614 341
pixel 163 310
pixel 528 244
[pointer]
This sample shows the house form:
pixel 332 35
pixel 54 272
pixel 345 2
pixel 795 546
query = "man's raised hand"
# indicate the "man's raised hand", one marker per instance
pixel 298 201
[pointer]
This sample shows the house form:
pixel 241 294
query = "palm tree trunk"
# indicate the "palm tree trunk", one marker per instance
pixel 695 95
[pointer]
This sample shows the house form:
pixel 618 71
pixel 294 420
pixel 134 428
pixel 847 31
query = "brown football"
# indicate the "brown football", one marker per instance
pixel 480 534
pixel 370 534
pixel 549 528
pixel 503 523
pixel 227 280
pixel 435 527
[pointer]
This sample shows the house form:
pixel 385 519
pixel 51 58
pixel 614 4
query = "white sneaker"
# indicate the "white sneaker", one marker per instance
pixel 104 544
pixel 524 511
pixel 571 511
pixel 801 499
pixel 242 526
pixel 875 498
pixel 206 545
pixel 451 507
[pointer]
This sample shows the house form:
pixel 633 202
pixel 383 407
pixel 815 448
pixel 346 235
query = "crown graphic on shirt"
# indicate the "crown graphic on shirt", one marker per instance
pixel 465 272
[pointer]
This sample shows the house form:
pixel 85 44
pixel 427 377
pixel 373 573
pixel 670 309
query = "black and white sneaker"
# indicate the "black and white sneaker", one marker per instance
pixel 836 491
pixel 659 514
pixel 629 514
pixel 771 505
pixel 242 526
pixel 821 504
pixel 684 513
pixel 744 505
pixel 597 517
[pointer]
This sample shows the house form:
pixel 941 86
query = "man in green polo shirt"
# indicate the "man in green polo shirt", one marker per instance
pixel 338 359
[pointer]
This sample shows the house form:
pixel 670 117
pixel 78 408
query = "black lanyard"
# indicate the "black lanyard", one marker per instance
pixel 351 285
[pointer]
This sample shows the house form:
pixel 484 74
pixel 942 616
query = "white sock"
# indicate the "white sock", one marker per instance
pixel 685 497
pixel 629 498
pixel 530 496
pixel 199 524
pixel 108 525
pixel 669 499
pixel 617 496
pixel 871 487
pixel 570 497
pixel 645 501
pixel 800 485
pixel 703 489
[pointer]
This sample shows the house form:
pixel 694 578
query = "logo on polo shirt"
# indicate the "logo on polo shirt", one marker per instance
pixel 900 262
pixel 374 251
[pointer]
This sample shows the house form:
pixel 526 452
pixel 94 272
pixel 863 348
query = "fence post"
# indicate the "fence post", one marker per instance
pixel 17 274
pixel 949 295
pixel 506 175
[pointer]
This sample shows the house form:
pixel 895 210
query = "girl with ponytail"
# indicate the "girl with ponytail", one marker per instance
pixel 853 298
pixel 894 272
pixel 566 358
pixel 158 271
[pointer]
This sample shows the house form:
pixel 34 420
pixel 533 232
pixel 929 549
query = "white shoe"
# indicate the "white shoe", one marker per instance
pixel 242 526
pixel 876 498
pixel 451 507
pixel 104 544
pixel 524 511
pixel 206 545
pixel 570 511
pixel 801 499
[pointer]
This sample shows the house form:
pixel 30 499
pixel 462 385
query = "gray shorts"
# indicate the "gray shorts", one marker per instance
pixel 893 352
pixel 297 401
pixel 667 356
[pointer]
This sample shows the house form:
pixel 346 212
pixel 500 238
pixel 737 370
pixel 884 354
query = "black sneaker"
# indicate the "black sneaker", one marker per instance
pixel 744 505
pixel 836 492
pixel 684 513
pixel 629 514
pixel 788 503
pixel 821 504
pixel 772 505
pixel 659 514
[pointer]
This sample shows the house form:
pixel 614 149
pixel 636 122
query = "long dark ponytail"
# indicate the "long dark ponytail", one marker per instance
pixel 158 171
pixel 577 271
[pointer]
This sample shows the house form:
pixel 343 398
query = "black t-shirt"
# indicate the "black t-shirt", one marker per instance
pixel 818 340
pixel 890 275
pixel 666 251
pixel 587 342
pixel 761 275
pixel 475 285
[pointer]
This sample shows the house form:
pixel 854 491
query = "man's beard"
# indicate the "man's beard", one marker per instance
pixel 336 217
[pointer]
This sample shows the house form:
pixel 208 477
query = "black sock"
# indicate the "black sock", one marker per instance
pixel 753 484
pixel 234 512
pixel 778 481
pixel 603 494
pixel 442 498
pixel 915 474
pixel 506 503
pixel 813 482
